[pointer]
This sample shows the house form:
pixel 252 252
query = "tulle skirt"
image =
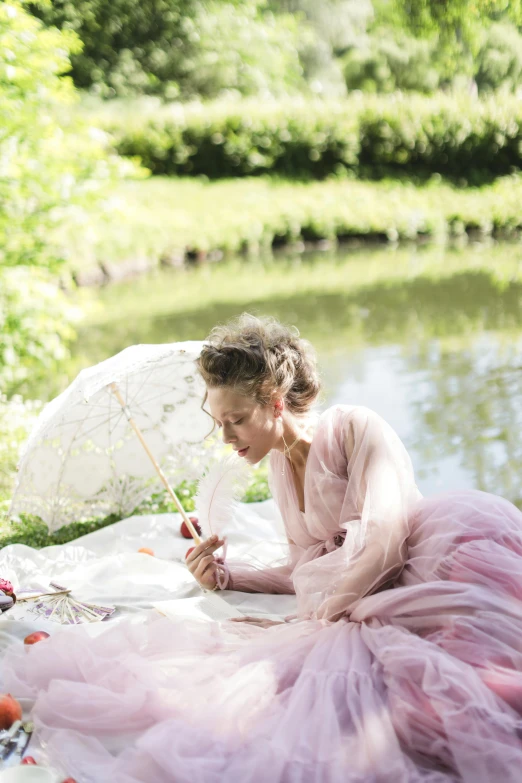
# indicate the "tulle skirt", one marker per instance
pixel 422 683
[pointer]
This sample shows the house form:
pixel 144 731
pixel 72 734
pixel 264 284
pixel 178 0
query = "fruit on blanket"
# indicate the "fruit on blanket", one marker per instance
pixel 146 551
pixel 192 548
pixel 6 594
pixel 69 780
pixel 10 710
pixel 185 532
pixel 36 636
pixel 29 760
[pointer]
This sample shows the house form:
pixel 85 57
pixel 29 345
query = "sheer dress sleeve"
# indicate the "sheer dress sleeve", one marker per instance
pixel 262 578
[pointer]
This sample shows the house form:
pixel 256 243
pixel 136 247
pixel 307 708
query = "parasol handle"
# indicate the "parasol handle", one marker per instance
pixel 193 532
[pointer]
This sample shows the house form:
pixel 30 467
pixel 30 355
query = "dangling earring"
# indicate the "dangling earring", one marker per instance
pixel 277 414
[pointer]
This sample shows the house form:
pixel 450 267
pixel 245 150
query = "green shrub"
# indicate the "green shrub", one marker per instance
pixel 16 419
pixel 54 167
pixel 35 325
pixel 227 139
pixel 398 135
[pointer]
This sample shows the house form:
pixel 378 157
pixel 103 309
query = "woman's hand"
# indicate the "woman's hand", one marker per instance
pixel 202 564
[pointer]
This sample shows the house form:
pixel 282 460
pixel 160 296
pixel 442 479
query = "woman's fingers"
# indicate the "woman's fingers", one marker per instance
pixel 203 549
pixel 203 566
pixel 201 561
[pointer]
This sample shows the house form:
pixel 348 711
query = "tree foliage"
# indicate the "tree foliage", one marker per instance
pixel 457 25
pixel 52 165
pixel 178 48
pixel 469 43
pixel 52 170
pixel 498 64
pixel 138 43
pixel 242 51
pixel 390 61
pixel 454 17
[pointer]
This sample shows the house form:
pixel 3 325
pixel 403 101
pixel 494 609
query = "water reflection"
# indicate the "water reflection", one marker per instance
pixel 472 408
pixel 457 407
pixel 433 346
pixel 389 311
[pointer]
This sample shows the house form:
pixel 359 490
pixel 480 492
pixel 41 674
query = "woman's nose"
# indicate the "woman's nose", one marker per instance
pixel 227 437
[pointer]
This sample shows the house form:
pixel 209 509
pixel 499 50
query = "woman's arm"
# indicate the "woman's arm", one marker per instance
pixel 246 578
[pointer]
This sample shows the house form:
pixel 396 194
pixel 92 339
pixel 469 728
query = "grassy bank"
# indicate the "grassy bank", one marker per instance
pixel 167 221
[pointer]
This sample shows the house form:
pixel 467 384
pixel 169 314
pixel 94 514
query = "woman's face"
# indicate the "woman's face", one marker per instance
pixel 249 427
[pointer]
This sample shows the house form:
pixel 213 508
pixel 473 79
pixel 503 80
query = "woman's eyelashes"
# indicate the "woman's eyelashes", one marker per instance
pixel 219 424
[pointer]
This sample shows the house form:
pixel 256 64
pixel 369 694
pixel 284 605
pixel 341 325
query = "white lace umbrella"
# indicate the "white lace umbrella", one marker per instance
pixel 84 457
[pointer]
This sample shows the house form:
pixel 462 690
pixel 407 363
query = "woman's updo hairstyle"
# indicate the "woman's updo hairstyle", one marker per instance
pixel 261 358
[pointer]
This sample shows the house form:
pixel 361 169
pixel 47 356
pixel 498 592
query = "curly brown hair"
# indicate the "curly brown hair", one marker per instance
pixel 261 358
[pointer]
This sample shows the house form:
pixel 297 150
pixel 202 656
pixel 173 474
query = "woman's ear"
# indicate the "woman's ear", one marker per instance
pixel 278 407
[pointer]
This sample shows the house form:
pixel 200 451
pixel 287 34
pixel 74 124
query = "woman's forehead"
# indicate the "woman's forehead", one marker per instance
pixel 224 401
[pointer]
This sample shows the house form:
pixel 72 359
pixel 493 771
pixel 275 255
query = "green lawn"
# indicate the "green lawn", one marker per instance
pixel 158 219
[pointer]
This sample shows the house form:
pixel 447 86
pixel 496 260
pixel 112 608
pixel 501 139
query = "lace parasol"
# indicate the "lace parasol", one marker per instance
pixel 84 459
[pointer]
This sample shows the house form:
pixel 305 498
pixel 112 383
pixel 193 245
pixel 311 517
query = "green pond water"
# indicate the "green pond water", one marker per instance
pixel 431 338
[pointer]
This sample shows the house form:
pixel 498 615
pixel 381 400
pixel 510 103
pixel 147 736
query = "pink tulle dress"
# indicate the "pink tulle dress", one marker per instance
pixel 404 663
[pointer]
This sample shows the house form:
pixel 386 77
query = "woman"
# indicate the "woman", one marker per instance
pixel 404 662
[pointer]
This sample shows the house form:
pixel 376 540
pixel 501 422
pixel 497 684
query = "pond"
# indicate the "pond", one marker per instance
pixel 430 338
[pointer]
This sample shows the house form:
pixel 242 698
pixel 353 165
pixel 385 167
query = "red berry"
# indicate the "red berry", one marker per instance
pixel 192 548
pixel 185 532
pixel 28 760
pixel 69 780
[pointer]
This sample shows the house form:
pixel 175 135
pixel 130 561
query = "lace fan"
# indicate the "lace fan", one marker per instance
pixel 59 606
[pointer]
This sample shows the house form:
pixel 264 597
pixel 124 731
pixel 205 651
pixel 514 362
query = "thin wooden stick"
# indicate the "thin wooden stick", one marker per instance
pixel 193 532
pixel 36 594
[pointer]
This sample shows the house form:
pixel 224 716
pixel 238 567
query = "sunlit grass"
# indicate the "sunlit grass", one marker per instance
pixel 161 219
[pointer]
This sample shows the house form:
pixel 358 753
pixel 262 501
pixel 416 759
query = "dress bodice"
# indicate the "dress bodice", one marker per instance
pixel 359 485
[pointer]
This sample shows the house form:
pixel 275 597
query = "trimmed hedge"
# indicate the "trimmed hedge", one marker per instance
pixel 458 137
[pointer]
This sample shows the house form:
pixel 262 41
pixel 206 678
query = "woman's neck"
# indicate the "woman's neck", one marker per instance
pixel 295 428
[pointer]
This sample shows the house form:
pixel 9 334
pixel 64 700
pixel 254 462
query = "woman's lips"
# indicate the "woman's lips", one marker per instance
pixel 242 452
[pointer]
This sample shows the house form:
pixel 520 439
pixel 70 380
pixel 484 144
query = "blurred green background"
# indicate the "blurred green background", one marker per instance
pixel 349 166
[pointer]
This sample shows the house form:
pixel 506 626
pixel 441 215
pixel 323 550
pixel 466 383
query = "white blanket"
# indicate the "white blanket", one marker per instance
pixel 105 567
